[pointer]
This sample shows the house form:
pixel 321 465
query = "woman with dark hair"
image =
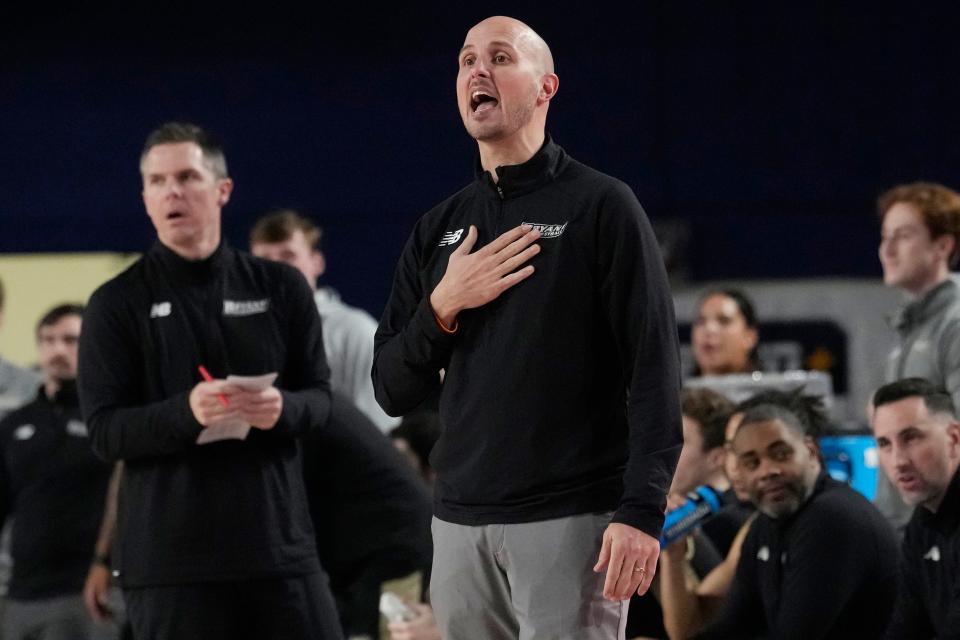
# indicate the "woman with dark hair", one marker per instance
pixel 724 335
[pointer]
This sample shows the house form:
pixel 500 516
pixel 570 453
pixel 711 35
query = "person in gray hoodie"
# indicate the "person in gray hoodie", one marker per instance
pixel 919 243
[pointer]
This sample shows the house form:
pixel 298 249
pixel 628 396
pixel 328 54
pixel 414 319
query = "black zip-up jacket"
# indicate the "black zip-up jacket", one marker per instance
pixel 562 395
pixel 929 603
pixel 827 571
pixel 228 510
pixel 55 488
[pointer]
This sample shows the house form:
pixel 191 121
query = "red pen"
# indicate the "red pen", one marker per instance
pixel 209 378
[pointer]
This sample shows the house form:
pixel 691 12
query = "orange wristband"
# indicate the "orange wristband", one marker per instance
pixel 443 327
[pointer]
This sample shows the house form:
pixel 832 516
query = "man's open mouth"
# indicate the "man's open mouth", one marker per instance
pixel 175 215
pixel 481 101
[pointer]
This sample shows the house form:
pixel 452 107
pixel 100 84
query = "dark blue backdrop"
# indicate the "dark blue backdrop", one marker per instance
pixel 770 130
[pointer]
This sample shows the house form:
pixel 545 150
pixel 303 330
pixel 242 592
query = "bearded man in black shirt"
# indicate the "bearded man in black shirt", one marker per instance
pixel 918 440
pixel 820 560
pixel 215 538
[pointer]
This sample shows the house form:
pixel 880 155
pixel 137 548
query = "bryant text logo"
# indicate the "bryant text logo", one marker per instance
pixel 245 307
pixel 548 230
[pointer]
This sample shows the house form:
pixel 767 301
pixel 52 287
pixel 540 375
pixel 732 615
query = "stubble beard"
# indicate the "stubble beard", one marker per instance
pixel 796 495
pixel 922 496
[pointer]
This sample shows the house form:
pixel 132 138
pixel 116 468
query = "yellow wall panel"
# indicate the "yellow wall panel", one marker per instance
pixel 35 282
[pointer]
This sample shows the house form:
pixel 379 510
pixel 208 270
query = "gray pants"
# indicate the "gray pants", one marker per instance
pixel 62 618
pixel 523 581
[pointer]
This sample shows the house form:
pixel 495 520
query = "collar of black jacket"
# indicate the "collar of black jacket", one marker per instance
pixel 947 518
pixel 65 396
pixel 517 179
pixel 180 267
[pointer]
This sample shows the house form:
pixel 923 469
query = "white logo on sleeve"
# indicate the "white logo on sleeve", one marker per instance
pixel 77 428
pixel 239 308
pixel 451 237
pixel 763 553
pixel 24 432
pixel 160 310
pixel 933 554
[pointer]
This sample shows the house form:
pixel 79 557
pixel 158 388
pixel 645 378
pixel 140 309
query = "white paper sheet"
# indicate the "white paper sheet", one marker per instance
pixel 236 429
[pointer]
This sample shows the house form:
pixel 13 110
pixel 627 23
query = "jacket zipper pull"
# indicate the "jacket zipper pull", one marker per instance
pixel 500 192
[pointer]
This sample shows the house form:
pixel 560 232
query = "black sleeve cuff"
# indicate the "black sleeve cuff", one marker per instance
pixel 646 520
pixel 426 321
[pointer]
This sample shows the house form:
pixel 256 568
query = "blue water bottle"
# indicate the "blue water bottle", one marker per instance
pixel 702 503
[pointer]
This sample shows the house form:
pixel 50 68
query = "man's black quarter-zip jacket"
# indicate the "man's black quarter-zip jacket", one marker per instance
pixel 227 510
pixel 562 395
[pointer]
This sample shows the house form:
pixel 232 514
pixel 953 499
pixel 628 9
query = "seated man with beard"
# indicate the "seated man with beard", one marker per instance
pixel 688 604
pixel 918 441
pixel 820 561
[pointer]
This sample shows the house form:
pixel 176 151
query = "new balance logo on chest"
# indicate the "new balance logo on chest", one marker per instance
pixel 451 237
pixel 160 310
